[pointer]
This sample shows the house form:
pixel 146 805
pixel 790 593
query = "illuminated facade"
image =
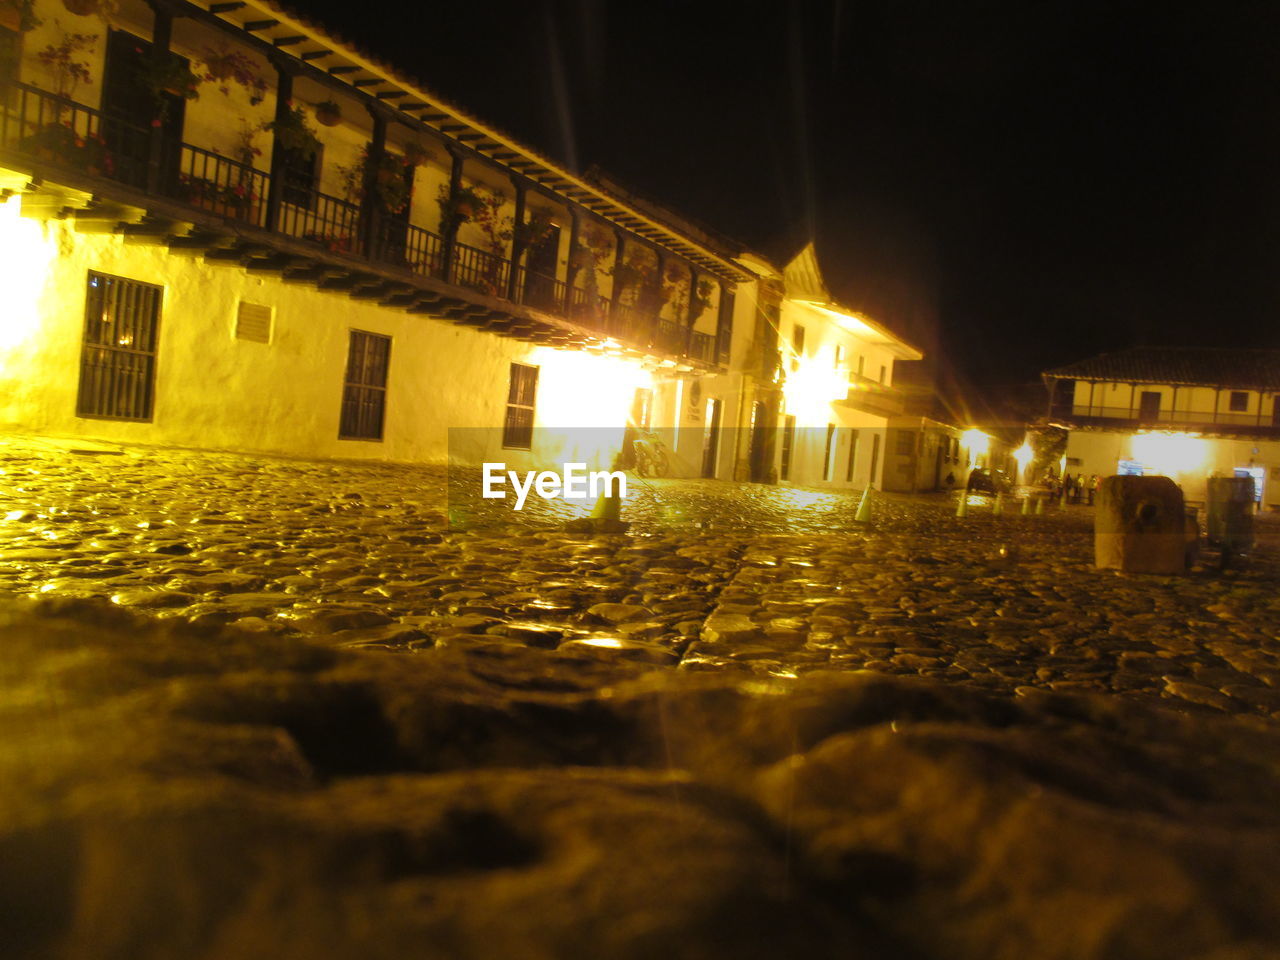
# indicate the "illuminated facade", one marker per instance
pixel 836 378
pixel 223 227
pixel 1184 413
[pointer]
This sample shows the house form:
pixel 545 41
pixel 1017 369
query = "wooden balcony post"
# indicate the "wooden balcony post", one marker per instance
pixel 517 242
pixel 449 231
pixel 370 199
pixel 619 251
pixel 275 188
pixel 571 272
pixel 690 316
pixel 161 36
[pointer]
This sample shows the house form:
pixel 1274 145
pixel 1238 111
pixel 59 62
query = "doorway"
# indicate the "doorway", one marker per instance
pixel 129 108
pixel 540 271
pixel 1259 475
pixel 711 440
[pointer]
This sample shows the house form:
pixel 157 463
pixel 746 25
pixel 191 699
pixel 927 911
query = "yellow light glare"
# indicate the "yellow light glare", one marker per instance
pixel 976 441
pixel 25 255
pixel 1024 455
pixel 811 388
pixel 600 398
pixel 1170 453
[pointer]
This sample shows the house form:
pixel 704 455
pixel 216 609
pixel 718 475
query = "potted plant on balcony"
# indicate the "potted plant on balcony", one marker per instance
pixel 533 231
pixel 457 209
pixel 59 143
pixel 292 132
pixel 391 186
pixel 19 15
pixel 224 65
pixel 415 154
pixel 166 77
pixel 328 113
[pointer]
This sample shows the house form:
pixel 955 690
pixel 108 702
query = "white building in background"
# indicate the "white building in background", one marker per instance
pixel 836 377
pixel 1185 413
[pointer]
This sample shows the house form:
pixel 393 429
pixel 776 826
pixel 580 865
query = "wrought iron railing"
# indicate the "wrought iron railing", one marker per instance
pixel 226 187
pixel 480 270
pixel 1171 418
pixel 58 131
pixel 327 221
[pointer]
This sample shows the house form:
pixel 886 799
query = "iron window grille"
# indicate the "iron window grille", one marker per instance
pixel 517 429
pixel 118 359
pixel 364 394
pixel 1239 402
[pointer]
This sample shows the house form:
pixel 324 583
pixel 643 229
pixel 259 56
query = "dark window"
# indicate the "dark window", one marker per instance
pixel 853 454
pixel 884 374
pixel 118 362
pixel 1239 401
pixel 788 442
pixel 906 443
pixel 299 175
pixel 130 107
pixel 828 455
pixel 1275 411
pixel 364 394
pixel 1150 405
pixel 10 54
pixel 862 362
pixel 797 339
pixel 724 326
pixel 517 431
pixel 875 458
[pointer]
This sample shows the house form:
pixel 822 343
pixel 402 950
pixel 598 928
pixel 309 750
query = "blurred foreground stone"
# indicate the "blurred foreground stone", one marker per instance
pixel 191 790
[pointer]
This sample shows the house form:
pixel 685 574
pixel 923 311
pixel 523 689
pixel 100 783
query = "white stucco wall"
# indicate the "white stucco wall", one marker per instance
pixel 1188 460
pixel 213 390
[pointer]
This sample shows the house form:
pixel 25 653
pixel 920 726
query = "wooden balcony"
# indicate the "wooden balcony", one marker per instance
pixel 218 206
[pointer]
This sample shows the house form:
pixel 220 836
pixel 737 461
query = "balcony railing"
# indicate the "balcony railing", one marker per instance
pixel 60 132
pixel 1134 416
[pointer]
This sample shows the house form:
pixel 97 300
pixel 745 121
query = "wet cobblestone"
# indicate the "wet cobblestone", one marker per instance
pixel 711 576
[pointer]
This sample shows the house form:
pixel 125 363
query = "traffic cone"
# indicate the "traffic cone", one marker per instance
pixel 1039 506
pixel 962 508
pixel 997 508
pixel 1026 505
pixel 864 508
pixel 607 515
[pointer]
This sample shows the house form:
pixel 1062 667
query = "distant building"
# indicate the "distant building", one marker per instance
pixel 835 371
pixel 1186 413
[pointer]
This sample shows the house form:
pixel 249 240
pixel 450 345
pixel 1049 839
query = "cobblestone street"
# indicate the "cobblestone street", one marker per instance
pixel 289 708
pixel 712 576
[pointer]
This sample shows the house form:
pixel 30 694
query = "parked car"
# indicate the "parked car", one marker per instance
pixel 982 482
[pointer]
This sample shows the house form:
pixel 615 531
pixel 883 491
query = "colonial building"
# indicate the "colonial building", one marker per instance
pixel 836 378
pixel 1182 412
pixel 224 227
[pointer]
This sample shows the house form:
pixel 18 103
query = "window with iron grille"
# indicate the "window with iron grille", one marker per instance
pixel 118 358
pixel 1239 401
pixel 364 395
pixel 517 430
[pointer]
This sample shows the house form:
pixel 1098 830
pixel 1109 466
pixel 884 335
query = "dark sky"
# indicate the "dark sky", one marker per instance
pixel 1042 180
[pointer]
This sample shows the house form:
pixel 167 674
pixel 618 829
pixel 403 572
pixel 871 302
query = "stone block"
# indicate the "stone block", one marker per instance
pixel 1140 526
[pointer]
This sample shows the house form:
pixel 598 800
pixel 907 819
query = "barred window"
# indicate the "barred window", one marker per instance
pixel 517 430
pixel 364 395
pixel 118 359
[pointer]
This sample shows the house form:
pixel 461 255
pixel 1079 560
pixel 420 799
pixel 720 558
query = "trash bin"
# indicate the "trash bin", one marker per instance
pixel 1230 513
pixel 1140 525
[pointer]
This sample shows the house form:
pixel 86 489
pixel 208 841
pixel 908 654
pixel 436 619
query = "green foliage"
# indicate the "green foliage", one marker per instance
pixel 292 132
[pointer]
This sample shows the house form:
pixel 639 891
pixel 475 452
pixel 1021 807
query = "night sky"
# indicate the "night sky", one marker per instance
pixel 1036 182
